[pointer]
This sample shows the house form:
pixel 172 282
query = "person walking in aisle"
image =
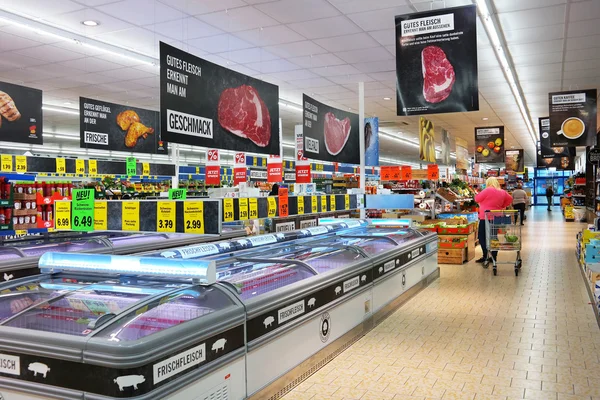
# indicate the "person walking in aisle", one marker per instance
pixel 549 196
pixel 520 202
pixel 490 199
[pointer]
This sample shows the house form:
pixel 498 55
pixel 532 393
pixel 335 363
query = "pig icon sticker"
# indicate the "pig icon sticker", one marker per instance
pixel 311 302
pixel 363 278
pixel 338 290
pixel 268 321
pixel 38 368
pixel 219 345
pixel 129 380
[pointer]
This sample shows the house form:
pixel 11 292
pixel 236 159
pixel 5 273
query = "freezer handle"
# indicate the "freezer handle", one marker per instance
pixel 279 261
pixel 370 237
pixel 11 249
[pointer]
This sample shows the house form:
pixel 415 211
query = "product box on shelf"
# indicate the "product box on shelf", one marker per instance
pixel 452 242
pixel 452 256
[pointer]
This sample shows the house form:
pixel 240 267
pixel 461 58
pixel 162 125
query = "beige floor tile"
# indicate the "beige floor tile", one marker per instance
pixel 526 384
pixel 350 393
pixel 540 395
pixel 376 395
pixel 457 395
pixel 558 387
pixel 516 393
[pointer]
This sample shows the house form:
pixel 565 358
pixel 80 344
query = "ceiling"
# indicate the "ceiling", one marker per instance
pixel 319 47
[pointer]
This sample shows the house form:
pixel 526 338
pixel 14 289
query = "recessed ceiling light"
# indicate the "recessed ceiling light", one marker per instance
pixel 485 118
pixel 387 98
pixel 90 22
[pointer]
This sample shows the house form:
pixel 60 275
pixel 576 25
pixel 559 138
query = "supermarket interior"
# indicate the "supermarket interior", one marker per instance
pixel 341 199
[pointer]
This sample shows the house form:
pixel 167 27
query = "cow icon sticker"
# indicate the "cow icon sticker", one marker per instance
pixel 268 321
pixel 38 368
pixel 129 381
pixel 311 302
pixel 219 345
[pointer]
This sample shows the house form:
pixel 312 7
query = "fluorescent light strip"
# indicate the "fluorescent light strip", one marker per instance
pixel 62 110
pixel 291 106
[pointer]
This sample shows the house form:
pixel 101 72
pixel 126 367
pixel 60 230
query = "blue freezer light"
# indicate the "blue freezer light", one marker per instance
pixel 391 222
pixel 205 271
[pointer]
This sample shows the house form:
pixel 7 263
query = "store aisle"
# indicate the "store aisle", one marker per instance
pixel 471 335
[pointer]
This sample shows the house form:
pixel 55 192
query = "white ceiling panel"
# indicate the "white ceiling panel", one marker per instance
pixel 386 37
pixel 427 6
pixel 50 53
pixel 379 19
pixel 13 42
pixel 533 18
pixel 551 46
pixel 583 28
pixel 220 43
pixel 254 54
pixel 184 29
pixel 377 66
pixel 203 6
pixel 289 11
pixel 384 76
pixel 585 10
pixel 582 73
pixel 371 54
pixel 270 35
pixel 303 48
pixel 329 89
pixel 335 70
pixel 356 6
pixel 269 67
pixel 294 75
pixel 532 35
pixel 348 79
pixel 40 7
pixel 72 21
pixel 504 6
pixel 348 42
pixel 538 59
pixel 140 12
pixel 238 19
pixel 317 60
pixel 325 27
pixel 311 83
pixel 582 55
pixel 14 61
pixel 584 42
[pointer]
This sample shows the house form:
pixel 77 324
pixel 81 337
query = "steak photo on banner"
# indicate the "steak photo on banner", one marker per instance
pixel 573 118
pixel 330 134
pixel 110 126
pixel 489 145
pixel 20 114
pixel 514 160
pixel 436 61
pixel 426 140
pixel 204 104
pixel 372 142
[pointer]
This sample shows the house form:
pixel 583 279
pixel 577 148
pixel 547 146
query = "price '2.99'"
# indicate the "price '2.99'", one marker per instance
pixel 194 224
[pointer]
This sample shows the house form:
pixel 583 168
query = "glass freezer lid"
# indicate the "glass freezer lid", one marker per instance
pixel 398 235
pixel 369 245
pixel 36 250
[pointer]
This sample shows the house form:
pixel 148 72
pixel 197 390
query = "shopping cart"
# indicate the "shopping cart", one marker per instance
pixel 502 234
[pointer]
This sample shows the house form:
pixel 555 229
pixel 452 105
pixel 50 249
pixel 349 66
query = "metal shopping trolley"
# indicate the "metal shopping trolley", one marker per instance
pixel 502 234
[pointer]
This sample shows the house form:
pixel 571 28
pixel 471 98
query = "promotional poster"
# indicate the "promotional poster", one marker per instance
pixel 372 142
pixel 20 114
pixel 514 161
pixel 562 162
pixel 462 154
pixel 489 145
pixel 446 148
pixel 204 104
pixel 109 126
pixel 330 134
pixel 436 61
pixel 546 151
pixel 573 118
pixel 426 140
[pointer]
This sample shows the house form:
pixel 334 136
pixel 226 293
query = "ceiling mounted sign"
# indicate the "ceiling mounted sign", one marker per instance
pixel 436 61
pixel 514 161
pixel 204 104
pixel 330 134
pixel 573 118
pixel 20 114
pixel 489 144
pixel 546 149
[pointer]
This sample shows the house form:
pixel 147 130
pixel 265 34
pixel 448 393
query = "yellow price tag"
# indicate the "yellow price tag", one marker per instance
pixel 7 163
pixel 165 216
pixel 60 166
pixel 346 201
pixel 197 170
pixel 314 204
pixel 323 203
pixel 255 161
pixel 146 169
pixel 130 216
pixel 193 217
pixel 79 166
pixel 253 208
pixel 263 162
pixel 272 210
pixel 21 162
pixel 243 205
pixel 62 215
pixel 21 232
pixel 100 216
pixel 92 167
pixel 332 205
pixel 228 210
pixel 300 205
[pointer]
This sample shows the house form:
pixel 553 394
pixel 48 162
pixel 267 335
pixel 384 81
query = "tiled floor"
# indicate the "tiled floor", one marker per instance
pixel 471 335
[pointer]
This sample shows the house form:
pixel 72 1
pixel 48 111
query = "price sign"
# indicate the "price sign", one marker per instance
pixel 62 215
pixel 433 172
pixel 83 210
pixel 332 205
pixel 406 173
pixel 323 203
pixel 284 210
pixel 253 208
pixel 228 210
pixel 385 173
pixel 100 216
pixel 263 162
pixel 255 161
pixel 79 166
pixel 314 204
pixel 131 166
pixel 193 217
pixel 272 210
pixel 21 162
pixel 130 215
pixel 165 216
pixel 346 201
pixel 92 167
pixel 395 173
pixel 146 169
pixel 300 205
pixel 240 159
pixel 7 163
pixel 60 166
pixel 177 194
pixel 243 205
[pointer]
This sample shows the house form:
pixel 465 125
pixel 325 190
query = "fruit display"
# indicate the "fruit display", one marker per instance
pixel 491 146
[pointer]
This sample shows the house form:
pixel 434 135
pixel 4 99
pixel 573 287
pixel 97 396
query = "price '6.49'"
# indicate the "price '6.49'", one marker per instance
pixel 83 221
pixel 194 224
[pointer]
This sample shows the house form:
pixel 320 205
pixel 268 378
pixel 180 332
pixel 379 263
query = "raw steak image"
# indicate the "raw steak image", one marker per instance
pixel 242 112
pixel 438 74
pixel 336 133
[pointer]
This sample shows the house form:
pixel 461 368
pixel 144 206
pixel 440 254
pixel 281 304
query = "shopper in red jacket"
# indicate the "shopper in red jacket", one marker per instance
pixel 490 198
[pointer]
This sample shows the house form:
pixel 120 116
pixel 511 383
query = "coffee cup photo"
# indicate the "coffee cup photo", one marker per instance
pixel 572 128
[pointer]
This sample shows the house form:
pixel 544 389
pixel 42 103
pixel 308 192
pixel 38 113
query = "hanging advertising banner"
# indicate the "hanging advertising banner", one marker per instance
pixel 436 61
pixel 372 142
pixel 426 140
pixel 239 168
pixel 20 114
pixel 462 154
pixel 274 169
pixel 445 153
pixel 561 163
pixel 204 104
pixel 302 163
pixel 514 161
pixel 475 169
pixel 213 167
pixel 330 134
pixel 110 126
pixel 573 118
pixel 545 143
pixel 489 144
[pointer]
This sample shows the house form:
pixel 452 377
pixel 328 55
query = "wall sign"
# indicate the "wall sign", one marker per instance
pixel 20 114
pixel 573 118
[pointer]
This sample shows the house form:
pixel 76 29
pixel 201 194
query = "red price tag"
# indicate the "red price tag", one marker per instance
pixel 385 173
pixel 406 173
pixel 395 172
pixel 212 155
pixel 433 172
pixel 283 202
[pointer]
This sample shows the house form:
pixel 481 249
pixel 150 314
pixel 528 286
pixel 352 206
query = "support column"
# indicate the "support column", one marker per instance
pixel 361 136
